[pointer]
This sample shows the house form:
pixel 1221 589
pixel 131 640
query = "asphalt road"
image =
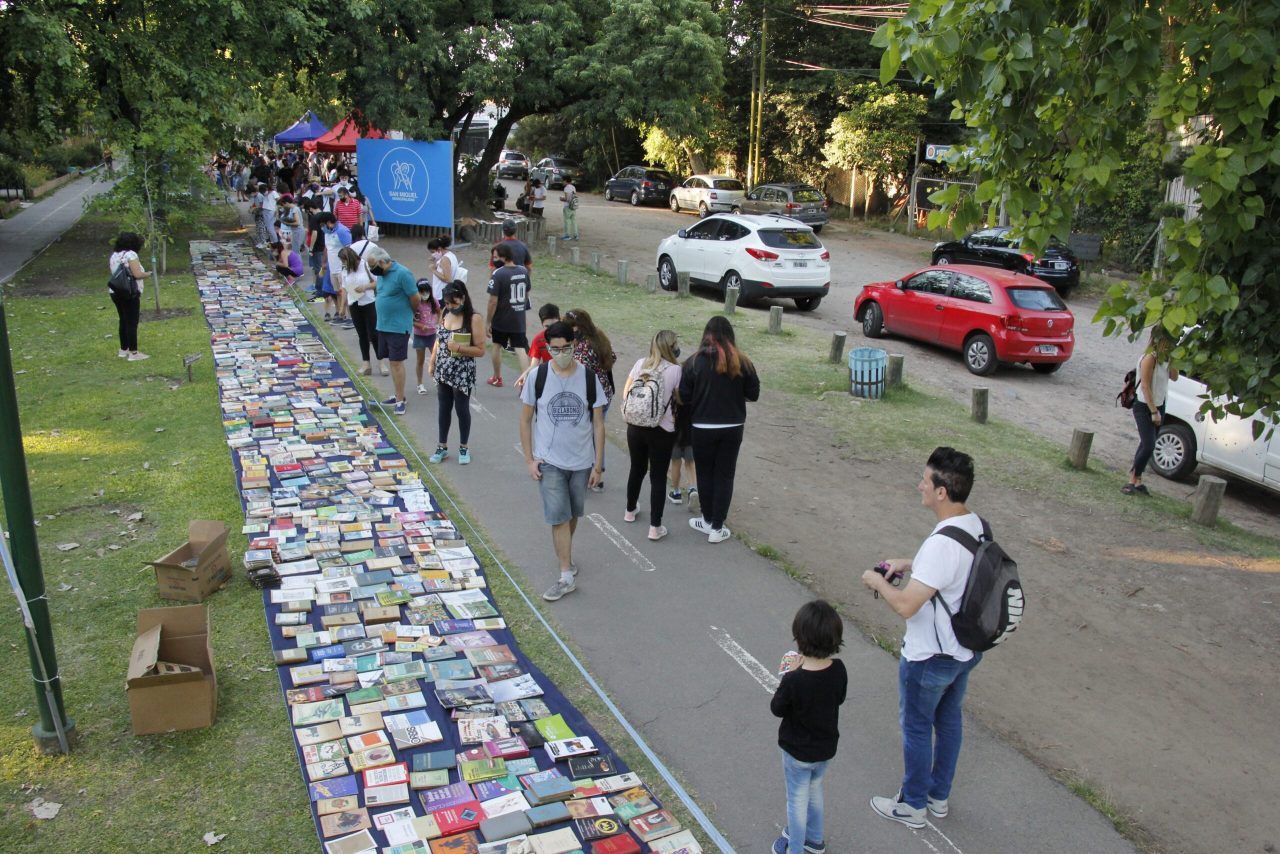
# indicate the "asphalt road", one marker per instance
pixel 1080 395
pixel 26 234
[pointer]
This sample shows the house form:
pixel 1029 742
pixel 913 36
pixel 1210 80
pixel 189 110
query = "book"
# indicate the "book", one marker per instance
pixel 381 796
pixel 344 822
pixel 462 338
pixel 462 843
pixel 434 759
pixel 560 841
pixel 620 782
pixel 515 689
pixel 458 819
pixel 677 843
pixel 623 843
pixel 654 825
pixel 429 779
pixel 446 796
pixel 360 842
pixel 479 730
pixel 503 804
pixel 512 747
pixel 329 806
pixel 338 787
pixel 627 810
pixel 591 766
pixel 565 748
pixel 387 775
pixel 552 813
pixel 482 769
pixel 505 826
pixel 552 728
pixel 597 828
pixel 589 807
pixel 547 791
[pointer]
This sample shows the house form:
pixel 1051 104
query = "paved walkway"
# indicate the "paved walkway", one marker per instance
pixel 27 233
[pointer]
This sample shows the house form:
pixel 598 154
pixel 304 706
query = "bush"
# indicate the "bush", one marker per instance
pixel 1127 220
pixel 12 176
pixel 36 174
pixel 72 154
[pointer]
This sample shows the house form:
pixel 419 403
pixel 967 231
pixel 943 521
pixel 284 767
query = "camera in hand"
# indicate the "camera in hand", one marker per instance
pixel 894 578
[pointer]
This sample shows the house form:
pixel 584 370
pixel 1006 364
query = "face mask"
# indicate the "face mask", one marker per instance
pixel 562 360
pixel 457 310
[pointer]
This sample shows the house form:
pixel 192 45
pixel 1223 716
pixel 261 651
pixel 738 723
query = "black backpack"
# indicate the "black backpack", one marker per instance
pixel 122 282
pixel 1129 393
pixel 992 605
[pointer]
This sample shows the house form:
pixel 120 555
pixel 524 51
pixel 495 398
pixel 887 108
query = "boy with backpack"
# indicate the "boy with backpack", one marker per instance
pixel 963 598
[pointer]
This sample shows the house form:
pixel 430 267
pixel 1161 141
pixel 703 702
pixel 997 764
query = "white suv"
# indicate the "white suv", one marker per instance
pixel 763 256
pixel 1187 437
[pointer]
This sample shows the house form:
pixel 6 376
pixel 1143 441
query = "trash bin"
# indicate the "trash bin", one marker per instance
pixel 866 372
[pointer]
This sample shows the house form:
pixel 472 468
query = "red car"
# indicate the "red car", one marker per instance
pixel 990 315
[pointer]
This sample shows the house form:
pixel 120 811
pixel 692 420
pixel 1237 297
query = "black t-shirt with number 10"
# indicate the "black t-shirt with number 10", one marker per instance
pixel 511 286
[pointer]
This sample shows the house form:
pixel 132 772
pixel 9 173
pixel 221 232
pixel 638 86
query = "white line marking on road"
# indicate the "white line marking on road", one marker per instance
pixel 623 544
pixel 745 660
pixel 479 407
pixel 947 839
pixel 930 845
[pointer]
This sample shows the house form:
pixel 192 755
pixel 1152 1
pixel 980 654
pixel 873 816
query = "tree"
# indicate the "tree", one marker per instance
pixel 1051 91
pixel 879 134
pixel 42 88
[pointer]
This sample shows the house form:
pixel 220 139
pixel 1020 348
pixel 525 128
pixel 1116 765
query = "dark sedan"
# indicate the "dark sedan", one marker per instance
pixel 993 247
pixel 640 185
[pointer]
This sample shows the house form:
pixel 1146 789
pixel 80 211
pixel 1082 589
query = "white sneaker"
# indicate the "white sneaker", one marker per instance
pixel 123 354
pixel 138 357
pixel 718 535
pixel 937 808
pixel 558 590
pixel 898 811
pixel 700 524
pixel 422 389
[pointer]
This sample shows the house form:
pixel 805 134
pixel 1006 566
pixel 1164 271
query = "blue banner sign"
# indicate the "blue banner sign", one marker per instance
pixel 406 181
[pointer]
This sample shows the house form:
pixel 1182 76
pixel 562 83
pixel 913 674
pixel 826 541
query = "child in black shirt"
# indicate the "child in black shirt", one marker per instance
pixel 808 700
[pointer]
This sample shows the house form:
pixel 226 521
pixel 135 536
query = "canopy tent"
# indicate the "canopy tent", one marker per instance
pixel 343 137
pixel 306 128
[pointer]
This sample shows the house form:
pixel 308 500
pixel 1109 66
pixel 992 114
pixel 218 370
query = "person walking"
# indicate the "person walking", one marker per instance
pixel 459 342
pixel 594 350
pixel 505 313
pixel 569 195
pixel 426 318
pixel 444 265
pixel 361 294
pixel 562 435
pixel 811 688
pixel 293 223
pixel 537 207
pixel 716 384
pixel 348 211
pixel 270 210
pixel 335 236
pixel 538 353
pixel 1153 375
pixel 651 426
pixel 397 300
pixel 520 250
pixel 933 670
pixel 128 306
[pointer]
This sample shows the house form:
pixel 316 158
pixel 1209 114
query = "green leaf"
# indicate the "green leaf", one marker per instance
pixel 890 62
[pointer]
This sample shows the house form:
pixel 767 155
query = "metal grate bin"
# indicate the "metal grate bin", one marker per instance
pixel 866 372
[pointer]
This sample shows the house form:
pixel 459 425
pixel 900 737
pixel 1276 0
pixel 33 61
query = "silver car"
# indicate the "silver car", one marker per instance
pixel 798 201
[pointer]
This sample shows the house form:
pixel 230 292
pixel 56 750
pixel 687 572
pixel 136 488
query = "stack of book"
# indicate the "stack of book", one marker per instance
pixel 420 726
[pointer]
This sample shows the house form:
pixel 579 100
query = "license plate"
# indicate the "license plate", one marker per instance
pixel 1061 265
pixel 799 263
pixel 1047 349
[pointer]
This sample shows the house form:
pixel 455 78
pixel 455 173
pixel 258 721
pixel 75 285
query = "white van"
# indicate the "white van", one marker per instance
pixel 1188 436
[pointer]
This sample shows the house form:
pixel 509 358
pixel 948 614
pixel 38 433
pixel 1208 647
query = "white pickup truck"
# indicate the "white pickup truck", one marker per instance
pixel 1187 437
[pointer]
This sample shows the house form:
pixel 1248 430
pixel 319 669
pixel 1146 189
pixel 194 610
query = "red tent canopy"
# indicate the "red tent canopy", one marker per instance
pixel 342 137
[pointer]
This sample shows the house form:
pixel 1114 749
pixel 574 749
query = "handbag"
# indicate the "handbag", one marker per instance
pixel 122 281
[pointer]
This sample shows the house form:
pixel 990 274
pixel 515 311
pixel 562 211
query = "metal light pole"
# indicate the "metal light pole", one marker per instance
pixel 54 728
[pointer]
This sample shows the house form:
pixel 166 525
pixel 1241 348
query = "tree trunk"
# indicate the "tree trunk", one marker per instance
pixel 697 163
pixel 472 193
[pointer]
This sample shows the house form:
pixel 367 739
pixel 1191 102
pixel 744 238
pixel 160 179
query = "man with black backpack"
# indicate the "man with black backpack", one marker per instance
pixel 963 598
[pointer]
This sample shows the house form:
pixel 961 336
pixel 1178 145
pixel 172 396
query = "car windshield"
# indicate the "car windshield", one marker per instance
pixel 807 194
pixel 789 238
pixel 514 155
pixel 1036 299
pixel 657 175
pixel 726 184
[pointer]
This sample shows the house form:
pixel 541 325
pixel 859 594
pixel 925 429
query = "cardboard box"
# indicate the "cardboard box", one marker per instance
pixel 165 699
pixel 198 567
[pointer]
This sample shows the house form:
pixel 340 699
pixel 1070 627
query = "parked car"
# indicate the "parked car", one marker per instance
pixel 992 247
pixel 1187 437
pixel 763 256
pixel 708 194
pixel 639 184
pixel 512 164
pixel 555 171
pixel 991 316
pixel 798 201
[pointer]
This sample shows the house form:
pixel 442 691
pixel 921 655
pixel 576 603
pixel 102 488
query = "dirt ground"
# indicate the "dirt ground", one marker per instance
pixel 1146 665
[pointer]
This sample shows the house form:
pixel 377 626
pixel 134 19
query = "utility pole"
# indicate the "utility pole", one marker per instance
pixel 758 171
pixel 751 133
pixel 54 728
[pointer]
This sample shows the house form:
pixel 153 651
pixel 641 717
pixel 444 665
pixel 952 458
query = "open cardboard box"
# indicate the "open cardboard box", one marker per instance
pixel 168 701
pixel 198 567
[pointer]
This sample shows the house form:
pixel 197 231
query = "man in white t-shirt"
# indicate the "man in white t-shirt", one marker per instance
pixel 933 671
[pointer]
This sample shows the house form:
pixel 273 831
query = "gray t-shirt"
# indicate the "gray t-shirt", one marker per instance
pixel 562 433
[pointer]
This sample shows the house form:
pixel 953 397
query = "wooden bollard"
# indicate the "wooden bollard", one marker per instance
pixel 651 283
pixel 1078 454
pixel 836 356
pixel 979 407
pixel 731 299
pixel 775 320
pixel 596 258
pixel 622 271
pixel 551 246
pixel 575 255
pixel 682 284
pixel 893 375
pixel 1207 498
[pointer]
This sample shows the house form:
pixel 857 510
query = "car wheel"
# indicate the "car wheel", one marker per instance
pixel 702 210
pixel 675 204
pixel 635 198
pixel 733 280
pixel 1046 367
pixel 943 260
pixel 736 210
pixel 872 320
pixel 608 196
pixel 817 229
pixel 1174 453
pixel 666 274
pixel 807 303
pixel 980 354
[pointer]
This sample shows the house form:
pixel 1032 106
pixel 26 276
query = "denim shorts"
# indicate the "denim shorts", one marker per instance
pixel 564 493
pixel 423 342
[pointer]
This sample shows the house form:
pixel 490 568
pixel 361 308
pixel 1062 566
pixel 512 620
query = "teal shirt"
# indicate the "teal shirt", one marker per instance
pixel 395 312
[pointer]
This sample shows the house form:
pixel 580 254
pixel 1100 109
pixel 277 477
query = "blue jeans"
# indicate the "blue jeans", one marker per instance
pixel 930 694
pixel 804 801
pixel 1146 436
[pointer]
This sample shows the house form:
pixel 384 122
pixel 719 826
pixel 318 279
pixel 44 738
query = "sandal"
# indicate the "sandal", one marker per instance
pixel 1129 489
pixel 1141 489
pixel 496 382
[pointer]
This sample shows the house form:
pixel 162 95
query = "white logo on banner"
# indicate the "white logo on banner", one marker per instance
pixel 402 173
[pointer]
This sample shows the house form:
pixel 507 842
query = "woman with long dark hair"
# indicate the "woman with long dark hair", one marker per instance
pixel 453 366
pixel 716 384
pixel 128 307
pixel 594 350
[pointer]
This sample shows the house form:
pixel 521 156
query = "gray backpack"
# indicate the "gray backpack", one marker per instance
pixel 992 605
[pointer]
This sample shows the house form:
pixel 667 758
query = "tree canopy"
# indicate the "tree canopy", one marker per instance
pixel 1051 91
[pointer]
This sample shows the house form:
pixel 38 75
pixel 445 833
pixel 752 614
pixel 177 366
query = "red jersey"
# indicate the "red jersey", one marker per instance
pixel 348 212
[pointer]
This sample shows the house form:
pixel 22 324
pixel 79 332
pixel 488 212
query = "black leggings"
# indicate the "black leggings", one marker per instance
pixel 1146 436
pixel 128 308
pixel 715 459
pixel 365 317
pixel 650 449
pixel 449 399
